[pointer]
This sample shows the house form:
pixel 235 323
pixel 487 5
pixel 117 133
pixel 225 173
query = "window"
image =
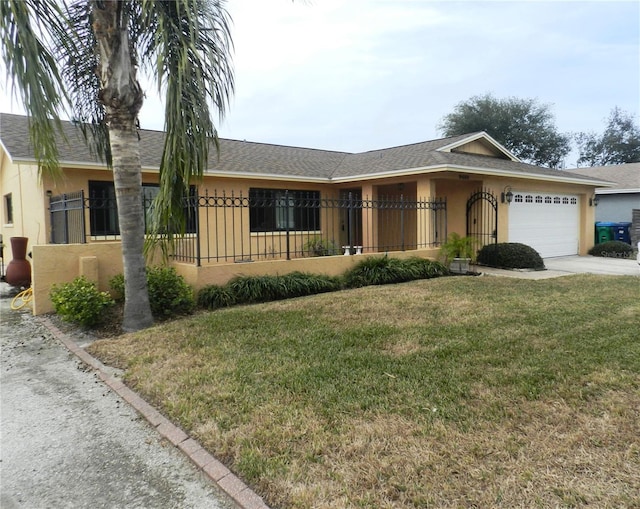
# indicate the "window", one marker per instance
pixel 556 200
pixel 149 193
pixel 565 201
pixel 574 201
pixel 528 199
pixel 538 199
pixel 103 209
pixel 8 209
pixel 518 198
pixel 547 199
pixel 281 210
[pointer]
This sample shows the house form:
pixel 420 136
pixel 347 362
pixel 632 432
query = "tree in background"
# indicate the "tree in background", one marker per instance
pixel 620 142
pixel 523 126
pixel 82 57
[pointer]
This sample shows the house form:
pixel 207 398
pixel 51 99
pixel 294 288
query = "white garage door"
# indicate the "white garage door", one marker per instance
pixel 549 223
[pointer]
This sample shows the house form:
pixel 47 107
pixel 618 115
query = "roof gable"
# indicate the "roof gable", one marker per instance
pixel 479 143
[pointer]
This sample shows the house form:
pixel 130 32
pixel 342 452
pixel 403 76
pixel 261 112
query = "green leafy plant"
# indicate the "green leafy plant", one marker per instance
pixel 169 294
pixel 247 289
pixel 382 270
pixel 613 249
pixel 215 296
pixel 80 302
pixel 457 246
pixel 510 255
pixel 317 246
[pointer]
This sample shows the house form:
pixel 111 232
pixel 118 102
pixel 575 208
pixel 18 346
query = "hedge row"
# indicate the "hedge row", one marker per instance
pixel 370 271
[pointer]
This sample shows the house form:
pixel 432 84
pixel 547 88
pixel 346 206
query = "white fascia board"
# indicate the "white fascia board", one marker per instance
pixel 4 148
pixel 475 171
pixel 81 165
pixel 477 136
pixel 266 176
pixel 618 191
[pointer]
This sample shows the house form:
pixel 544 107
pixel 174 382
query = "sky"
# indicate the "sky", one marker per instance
pixel 358 75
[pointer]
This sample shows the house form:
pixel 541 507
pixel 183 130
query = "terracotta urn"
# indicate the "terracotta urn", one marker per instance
pixel 18 272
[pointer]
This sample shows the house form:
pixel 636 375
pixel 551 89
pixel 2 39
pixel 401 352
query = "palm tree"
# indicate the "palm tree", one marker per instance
pixel 81 57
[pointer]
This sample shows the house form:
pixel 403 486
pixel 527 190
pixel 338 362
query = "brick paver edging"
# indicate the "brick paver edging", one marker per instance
pixel 226 480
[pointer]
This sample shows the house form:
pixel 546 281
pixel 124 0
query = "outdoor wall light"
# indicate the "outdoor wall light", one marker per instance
pixel 507 195
pixel 593 201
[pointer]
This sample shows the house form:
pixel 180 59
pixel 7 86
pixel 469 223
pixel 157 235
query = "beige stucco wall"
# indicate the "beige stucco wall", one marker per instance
pixel 199 277
pixel 99 262
pixel 29 205
pixel 58 263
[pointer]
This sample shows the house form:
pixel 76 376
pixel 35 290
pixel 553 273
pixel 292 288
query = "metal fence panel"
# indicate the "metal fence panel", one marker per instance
pixel 273 224
pixel 67 218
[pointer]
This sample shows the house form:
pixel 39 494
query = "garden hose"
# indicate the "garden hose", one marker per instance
pixel 23 299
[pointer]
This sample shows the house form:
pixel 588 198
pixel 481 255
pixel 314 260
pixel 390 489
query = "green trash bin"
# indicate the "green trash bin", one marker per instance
pixel 604 232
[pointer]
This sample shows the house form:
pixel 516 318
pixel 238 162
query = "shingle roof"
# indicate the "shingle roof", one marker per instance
pixel 625 176
pixel 263 159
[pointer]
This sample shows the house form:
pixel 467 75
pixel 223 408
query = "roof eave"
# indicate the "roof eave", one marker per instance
pixel 474 170
pixel 618 191
pixel 266 176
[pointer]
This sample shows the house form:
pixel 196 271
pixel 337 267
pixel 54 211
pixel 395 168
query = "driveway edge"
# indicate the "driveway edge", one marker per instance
pixel 219 474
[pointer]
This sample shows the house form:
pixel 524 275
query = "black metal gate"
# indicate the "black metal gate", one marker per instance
pixel 67 218
pixel 482 218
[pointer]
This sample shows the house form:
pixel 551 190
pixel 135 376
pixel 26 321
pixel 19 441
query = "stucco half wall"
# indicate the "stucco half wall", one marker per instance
pixel 55 264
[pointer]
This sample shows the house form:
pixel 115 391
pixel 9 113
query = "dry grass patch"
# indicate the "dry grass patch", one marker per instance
pixel 454 392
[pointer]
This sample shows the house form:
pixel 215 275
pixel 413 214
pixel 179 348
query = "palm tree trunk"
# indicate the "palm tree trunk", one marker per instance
pixel 122 97
pixel 127 178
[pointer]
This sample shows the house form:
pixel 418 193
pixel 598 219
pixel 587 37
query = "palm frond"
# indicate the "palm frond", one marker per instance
pixel 187 45
pixel 78 69
pixel 26 29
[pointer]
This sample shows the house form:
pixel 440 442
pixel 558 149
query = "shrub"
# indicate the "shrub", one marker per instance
pixel 425 269
pixel 116 283
pixel 317 246
pixel 169 294
pixel 299 284
pixel 80 302
pixel 247 289
pixel 385 270
pixel 458 247
pixel 511 255
pixel 612 248
pixel 215 296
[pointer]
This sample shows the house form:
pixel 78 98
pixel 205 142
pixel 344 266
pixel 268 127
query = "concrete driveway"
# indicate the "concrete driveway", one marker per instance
pixel 566 265
pixel 593 265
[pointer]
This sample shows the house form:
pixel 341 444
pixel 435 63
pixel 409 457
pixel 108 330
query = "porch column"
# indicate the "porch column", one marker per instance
pixel 426 191
pixel 369 218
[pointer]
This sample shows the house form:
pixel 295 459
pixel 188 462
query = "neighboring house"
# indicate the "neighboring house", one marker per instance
pixel 615 203
pixel 260 201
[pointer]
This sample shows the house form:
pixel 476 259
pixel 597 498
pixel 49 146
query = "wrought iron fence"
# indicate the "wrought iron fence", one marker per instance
pixel 273 224
pixel 269 224
pixel 67 218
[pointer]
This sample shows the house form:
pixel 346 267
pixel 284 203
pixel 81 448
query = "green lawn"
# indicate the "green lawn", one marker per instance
pixel 451 392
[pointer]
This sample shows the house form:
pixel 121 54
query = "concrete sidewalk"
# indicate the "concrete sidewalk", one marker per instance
pixel 73 436
pixel 567 265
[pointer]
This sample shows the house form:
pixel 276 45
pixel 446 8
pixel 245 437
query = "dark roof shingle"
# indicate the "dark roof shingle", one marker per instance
pixel 261 159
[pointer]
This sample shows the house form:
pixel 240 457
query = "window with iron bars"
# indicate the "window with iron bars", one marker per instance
pixel 280 210
pixel 103 209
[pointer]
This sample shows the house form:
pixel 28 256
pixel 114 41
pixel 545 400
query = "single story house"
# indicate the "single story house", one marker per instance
pixel 260 201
